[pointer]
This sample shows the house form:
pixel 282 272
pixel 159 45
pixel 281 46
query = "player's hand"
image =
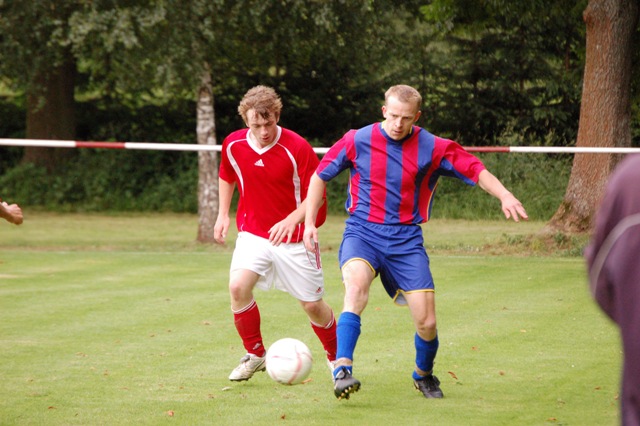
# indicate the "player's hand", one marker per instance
pixel 282 231
pixel 512 208
pixel 220 229
pixel 12 213
pixel 310 237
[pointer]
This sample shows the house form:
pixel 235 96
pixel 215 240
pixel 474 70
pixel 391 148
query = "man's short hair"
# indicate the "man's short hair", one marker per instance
pixel 263 100
pixel 405 94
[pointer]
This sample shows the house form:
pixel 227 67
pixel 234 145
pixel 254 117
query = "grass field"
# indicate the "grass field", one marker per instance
pixel 125 320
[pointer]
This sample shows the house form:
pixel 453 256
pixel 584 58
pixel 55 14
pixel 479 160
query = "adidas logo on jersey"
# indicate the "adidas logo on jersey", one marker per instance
pixel 259 163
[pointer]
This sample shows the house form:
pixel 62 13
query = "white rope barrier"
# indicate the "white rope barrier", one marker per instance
pixel 155 146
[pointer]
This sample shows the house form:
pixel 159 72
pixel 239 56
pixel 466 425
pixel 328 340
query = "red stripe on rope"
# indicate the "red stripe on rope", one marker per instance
pixel 488 148
pixel 90 144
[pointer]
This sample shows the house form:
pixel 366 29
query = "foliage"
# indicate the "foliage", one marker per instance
pixel 114 179
pixel 502 64
pixel 33 39
pixel 461 56
pixel 11 126
pixel 491 72
pixel 537 180
pixel 109 180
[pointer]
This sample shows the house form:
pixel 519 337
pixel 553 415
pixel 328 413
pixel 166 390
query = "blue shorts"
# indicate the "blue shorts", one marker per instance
pixel 395 252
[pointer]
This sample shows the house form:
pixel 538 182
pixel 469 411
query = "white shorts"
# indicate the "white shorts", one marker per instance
pixel 286 267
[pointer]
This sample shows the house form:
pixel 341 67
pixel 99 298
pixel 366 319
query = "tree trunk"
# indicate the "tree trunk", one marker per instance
pixel 605 111
pixel 51 115
pixel 207 162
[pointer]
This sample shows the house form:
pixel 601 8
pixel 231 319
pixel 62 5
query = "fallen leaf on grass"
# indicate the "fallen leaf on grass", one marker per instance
pixel 170 413
pixel 452 374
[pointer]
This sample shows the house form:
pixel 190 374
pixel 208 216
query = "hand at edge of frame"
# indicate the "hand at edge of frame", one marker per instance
pixel 513 208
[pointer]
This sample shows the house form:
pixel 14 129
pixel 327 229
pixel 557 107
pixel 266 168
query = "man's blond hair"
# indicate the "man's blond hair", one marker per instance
pixel 263 100
pixel 404 93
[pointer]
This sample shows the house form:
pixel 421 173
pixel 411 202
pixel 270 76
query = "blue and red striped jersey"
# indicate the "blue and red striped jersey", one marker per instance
pixel 393 182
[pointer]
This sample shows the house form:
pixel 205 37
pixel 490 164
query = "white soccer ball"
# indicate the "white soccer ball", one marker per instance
pixel 289 361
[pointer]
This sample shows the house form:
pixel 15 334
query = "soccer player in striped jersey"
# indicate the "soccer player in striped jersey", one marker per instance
pixel 271 167
pixel 394 167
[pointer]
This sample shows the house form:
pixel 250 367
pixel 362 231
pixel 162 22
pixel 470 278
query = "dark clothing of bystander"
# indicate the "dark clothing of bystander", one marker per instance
pixel 613 258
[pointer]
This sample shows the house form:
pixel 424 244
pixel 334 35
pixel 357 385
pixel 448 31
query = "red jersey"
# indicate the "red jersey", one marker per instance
pixel 272 181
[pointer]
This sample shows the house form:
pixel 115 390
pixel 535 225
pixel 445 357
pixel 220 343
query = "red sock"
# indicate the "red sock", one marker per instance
pixel 327 336
pixel 247 322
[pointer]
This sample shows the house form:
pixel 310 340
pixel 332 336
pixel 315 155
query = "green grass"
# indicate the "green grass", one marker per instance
pixel 118 320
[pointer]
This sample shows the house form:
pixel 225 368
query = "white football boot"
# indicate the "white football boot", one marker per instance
pixel 249 364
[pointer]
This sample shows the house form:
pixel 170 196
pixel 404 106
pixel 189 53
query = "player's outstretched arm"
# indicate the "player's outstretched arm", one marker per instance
pixel 313 201
pixel 511 206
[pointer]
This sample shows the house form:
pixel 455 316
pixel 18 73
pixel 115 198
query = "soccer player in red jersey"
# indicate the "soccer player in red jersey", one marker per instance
pixel 271 167
pixel 394 167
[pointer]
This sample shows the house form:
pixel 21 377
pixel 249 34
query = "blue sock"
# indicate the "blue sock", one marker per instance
pixel 425 354
pixel 347 331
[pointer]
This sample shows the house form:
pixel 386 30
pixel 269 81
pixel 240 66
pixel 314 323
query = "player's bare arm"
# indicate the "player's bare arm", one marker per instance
pixel 511 206
pixel 225 193
pixel 313 202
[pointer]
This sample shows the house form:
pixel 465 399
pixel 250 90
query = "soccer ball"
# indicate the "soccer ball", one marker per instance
pixel 289 361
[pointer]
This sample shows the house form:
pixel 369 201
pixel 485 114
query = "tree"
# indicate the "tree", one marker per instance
pixel 605 109
pixel 500 66
pixel 48 50
pixel 207 162
pixel 34 56
pixel 127 52
pixel 286 44
pixel 51 113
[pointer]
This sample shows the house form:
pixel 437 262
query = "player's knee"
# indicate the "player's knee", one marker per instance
pixel 239 290
pixel 314 309
pixel 427 328
pixel 357 292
